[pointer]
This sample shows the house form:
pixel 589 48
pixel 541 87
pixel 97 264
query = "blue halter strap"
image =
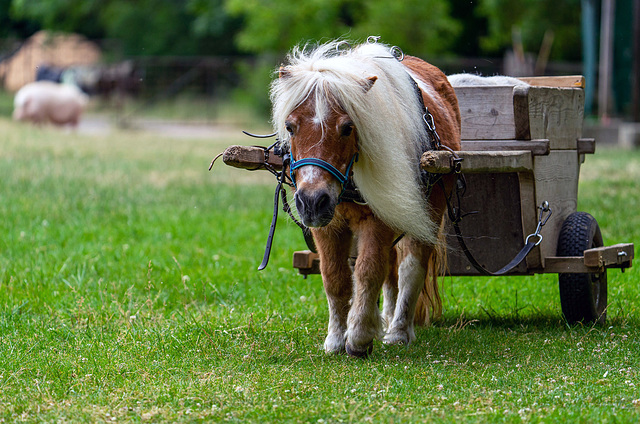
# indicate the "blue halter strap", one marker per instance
pixel 343 178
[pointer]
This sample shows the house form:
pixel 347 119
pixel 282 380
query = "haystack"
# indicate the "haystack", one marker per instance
pixel 46 48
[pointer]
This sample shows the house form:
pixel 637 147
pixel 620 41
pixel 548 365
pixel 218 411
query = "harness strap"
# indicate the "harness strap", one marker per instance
pixel 522 254
pixel 455 216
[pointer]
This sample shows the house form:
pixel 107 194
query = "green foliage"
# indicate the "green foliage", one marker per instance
pixel 12 27
pixel 275 25
pixel 148 27
pixel 533 18
pixel 422 27
pixel 63 15
pixel 144 27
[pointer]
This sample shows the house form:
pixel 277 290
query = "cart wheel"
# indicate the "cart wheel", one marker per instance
pixel 583 297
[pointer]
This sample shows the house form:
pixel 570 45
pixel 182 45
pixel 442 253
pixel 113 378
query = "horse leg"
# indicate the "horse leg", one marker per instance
pixel 390 290
pixel 364 322
pixel 411 279
pixel 333 247
pixel 419 262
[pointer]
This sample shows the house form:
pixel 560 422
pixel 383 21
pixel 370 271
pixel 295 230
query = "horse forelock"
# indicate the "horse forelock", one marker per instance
pixel 386 115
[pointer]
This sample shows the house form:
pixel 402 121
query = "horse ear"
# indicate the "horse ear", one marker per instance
pixel 283 72
pixel 368 83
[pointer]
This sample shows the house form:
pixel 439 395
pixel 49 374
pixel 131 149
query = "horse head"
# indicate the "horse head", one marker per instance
pixel 324 149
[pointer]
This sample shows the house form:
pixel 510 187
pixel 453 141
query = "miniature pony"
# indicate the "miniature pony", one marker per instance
pixel 360 113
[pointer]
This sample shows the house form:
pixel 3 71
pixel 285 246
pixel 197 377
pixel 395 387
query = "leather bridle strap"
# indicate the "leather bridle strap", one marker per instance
pixel 342 178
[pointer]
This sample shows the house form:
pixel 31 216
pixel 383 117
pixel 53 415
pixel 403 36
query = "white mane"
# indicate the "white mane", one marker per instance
pixel 388 119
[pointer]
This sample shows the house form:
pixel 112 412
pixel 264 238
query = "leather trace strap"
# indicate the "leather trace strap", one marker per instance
pixel 531 241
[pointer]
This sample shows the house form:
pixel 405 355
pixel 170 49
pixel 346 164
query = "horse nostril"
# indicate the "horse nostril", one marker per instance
pixel 299 202
pixel 323 203
pixel 315 207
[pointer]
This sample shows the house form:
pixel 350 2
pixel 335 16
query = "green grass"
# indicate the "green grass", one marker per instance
pixel 129 293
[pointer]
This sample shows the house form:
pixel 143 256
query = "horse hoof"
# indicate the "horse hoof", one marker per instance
pixel 359 353
pixel 396 338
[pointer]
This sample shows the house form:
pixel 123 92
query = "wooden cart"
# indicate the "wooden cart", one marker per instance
pixel 521 146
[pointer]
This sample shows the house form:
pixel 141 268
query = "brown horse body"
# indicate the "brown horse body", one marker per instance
pixel 335 133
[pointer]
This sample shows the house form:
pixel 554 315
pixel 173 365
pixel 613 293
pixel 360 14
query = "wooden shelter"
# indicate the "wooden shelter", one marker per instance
pixel 46 48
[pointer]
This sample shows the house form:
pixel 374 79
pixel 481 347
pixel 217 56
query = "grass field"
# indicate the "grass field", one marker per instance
pixel 129 293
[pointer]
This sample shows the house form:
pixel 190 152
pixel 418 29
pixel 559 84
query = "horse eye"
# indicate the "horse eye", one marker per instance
pixel 347 129
pixel 288 127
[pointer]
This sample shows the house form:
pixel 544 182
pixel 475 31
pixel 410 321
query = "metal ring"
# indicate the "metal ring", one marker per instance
pixel 397 53
pixel 340 44
pixel 373 39
pixel 532 235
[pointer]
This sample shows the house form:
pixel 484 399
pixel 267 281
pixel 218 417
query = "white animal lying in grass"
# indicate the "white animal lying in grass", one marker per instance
pixel 44 101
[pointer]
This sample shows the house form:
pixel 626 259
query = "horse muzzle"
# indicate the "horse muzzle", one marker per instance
pixel 315 207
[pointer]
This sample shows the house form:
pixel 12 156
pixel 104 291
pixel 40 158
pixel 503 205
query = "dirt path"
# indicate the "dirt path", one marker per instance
pixel 93 124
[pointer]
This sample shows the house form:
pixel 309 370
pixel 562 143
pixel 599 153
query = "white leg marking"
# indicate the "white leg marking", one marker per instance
pixel 336 334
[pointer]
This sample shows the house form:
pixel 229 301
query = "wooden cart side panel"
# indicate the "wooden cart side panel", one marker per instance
pixel 552 113
pixel 556 181
pixel 486 112
pixel 493 230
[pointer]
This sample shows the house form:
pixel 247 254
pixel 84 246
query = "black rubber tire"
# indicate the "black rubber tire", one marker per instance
pixel 583 297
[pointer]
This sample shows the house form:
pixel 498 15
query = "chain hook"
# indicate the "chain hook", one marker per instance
pixel 542 220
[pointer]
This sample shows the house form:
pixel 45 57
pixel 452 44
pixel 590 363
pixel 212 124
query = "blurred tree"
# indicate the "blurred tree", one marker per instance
pixel 142 27
pixel 11 27
pixel 473 27
pixel 533 18
pixel 421 27
pixel 62 15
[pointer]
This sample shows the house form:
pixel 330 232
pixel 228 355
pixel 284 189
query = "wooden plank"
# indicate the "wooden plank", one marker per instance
pixel 609 255
pixel 252 158
pixel 486 112
pixel 249 157
pixel 304 259
pixel 521 113
pixel 529 215
pixel 567 265
pixel 586 146
pixel 537 147
pixel 438 162
pixel 565 81
pixel 556 181
pixel 306 262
